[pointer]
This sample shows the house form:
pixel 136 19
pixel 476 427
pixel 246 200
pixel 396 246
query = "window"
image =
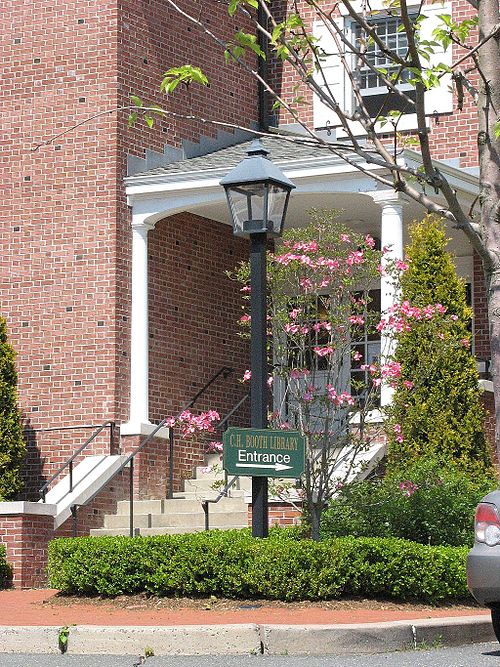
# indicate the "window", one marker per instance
pixel 374 91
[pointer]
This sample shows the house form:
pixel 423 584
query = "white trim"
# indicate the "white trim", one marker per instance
pixel 486 385
pixel 22 507
pixel 137 428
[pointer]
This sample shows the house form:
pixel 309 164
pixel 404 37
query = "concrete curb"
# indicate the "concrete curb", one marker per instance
pixel 245 639
pixel 374 637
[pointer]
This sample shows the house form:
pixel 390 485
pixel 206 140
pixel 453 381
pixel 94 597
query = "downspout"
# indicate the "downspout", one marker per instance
pixel 262 68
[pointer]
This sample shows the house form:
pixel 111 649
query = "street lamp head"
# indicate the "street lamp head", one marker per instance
pixel 257 193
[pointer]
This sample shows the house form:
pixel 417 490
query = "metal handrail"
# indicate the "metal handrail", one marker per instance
pixel 222 494
pixel 227 487
pixel 111 424
pixel 225 371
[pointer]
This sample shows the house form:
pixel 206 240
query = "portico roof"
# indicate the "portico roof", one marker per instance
pixel 323 180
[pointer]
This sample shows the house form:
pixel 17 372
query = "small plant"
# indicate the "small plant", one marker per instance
pixel 148 652
pixel 62 639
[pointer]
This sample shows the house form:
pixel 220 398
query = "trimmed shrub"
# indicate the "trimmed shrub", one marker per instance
pixel 436 409
pixel 12 445
pixel 425 503
pixel 235 565
pixel 5 569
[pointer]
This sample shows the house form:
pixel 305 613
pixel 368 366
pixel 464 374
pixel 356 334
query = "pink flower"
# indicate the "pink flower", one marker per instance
pixel 369 241
pixel 323 351
pixel 298 373
pixel 214 447
pixel 293 314
pixel 292 328
pixel 408 488
pixel 356 319
pixel 246 289
pixel 454 317
pixel 245 318
pixel 465 342
pixel 357 356
pixel 306 284
pixel 270 381
pixel 345 238
pixel 407 384
pixel 402 266
pixel 247 375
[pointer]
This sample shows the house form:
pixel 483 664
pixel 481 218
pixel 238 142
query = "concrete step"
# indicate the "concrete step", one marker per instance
pixel 202 495
pixel 205 485
pixel 112 532
pixel 217 519
pixel 122 520
pixel 141 506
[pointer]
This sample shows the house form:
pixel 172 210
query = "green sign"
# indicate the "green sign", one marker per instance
pixel 263 453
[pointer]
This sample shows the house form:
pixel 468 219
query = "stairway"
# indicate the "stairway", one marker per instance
pixel 184 513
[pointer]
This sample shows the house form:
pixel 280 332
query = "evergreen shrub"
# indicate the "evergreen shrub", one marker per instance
pixel 426 503
pixel 436 409
pixel 5 569
pixel 233 564
pixel 12 444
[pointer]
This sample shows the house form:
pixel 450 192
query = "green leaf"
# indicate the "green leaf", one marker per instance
pixel 496 129
pixel 186 74
pixel 132 119
pixel 149 121
pixel 136 100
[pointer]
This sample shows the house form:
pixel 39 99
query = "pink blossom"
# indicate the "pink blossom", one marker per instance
pixel 391 370
pixel 245 318
pixel 357 356
pixel 246 289
pixel 356 319
pixel 408 488
pixel 306 284
pixel 322 325
pixel 407 384
pixel 292 328
pixel 293 314
pixel 356 257
pixel 454 317
pixel 465 342
pixel 323 351
pixel 402 266
pixel 312 246
pixel 298 373
pixel 247 375
pixel 214 446
pixel 270 381
pixel 370 242
pixel 377 382
pixel 345 238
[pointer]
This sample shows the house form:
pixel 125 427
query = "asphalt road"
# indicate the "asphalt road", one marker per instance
pixel 476 655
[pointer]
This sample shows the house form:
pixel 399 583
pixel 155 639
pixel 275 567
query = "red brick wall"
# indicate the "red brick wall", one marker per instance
pixel 26 538
pixel 65 243
pixel 280 514
pixel 481 326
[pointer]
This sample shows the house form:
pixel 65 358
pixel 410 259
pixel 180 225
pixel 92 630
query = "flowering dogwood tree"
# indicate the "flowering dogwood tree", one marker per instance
pixel 321 324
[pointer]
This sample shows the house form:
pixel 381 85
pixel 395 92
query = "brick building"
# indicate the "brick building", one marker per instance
pixel 115 240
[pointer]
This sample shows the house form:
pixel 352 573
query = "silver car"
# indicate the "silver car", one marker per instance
pixel 483 561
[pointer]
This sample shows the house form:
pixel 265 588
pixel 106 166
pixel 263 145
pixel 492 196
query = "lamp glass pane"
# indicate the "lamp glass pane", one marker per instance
pixel 247 205
pixel 276 204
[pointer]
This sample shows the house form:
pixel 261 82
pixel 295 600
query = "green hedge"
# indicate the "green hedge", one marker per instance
pixel 234 565
pixel 5 569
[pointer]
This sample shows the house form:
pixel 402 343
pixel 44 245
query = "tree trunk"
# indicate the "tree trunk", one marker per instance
pixel 489 164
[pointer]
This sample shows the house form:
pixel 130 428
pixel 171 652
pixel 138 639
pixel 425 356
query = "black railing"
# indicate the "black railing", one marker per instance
pixel 221 427
pixel 225 371
pixel 69 463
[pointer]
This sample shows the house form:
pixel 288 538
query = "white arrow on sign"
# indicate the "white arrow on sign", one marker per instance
pixel 275 466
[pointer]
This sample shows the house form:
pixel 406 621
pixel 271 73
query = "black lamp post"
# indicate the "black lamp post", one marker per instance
pixel 258 194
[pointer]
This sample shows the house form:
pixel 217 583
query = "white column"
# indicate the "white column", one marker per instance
pixel 139 349
pixel 391 238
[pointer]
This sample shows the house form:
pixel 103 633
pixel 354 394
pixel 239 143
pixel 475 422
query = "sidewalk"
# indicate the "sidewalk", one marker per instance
pixel 30 622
